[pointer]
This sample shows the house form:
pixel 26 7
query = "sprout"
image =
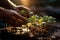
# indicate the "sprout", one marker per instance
pixel 36 20
pixel 23 11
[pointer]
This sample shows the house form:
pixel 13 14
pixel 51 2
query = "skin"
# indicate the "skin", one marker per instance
pixel 11 14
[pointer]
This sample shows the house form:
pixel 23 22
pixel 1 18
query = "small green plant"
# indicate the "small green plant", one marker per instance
pixel 23 11
pixel 45 20
pixel 49 19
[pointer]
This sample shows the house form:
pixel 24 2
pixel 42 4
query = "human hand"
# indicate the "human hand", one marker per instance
pixel 23 10
pixel 12 17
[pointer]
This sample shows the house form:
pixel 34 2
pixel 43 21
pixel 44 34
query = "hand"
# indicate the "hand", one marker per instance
pixel 21 7
pixel 24 11
pixel 12 17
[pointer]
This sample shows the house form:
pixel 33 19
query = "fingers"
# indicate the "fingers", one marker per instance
pixel 13 18
pixel 13 22
pixel 18 16
pixel 23 7
pixel 17 20
pixel 24 11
